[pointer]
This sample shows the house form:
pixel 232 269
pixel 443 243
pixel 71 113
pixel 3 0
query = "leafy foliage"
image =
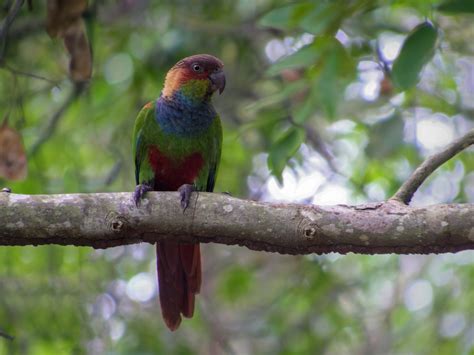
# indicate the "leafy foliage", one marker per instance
pixel 313 101
pixel 416 51
pixel 456 6
pixel 284 148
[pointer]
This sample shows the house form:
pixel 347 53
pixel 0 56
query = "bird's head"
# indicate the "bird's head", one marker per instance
pixel 196 77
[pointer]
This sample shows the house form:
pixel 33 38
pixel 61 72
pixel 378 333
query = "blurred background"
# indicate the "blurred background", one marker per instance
pixel 327 102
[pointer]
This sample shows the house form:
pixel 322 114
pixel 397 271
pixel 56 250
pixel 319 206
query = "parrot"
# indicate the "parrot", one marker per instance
pixel 177 143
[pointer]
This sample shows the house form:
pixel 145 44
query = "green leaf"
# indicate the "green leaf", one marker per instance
pixel 304 110
pixel 331 68
pixel 323 18
pixel 337 71
pixel 286 17
pixel 306 56
pixel 416 51
pixel 318 18
pixel 434 102
pixel 283 149
pixel 288 90
pixel 330 75
pixel 385 136
pixel 457 7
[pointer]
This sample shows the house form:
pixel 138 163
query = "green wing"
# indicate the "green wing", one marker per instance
pixel 139 142
pixel 215 154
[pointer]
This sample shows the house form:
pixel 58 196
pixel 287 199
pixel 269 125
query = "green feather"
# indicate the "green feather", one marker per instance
pixel 148 133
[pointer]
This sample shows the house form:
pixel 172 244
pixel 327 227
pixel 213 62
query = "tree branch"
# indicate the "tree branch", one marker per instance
pixel 53 121
pixel 409 187
pixel 110 219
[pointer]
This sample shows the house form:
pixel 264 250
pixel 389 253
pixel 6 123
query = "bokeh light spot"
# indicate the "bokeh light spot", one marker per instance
pixel 141 287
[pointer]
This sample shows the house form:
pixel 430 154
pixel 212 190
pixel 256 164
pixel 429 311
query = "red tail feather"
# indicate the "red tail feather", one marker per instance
pixel 179 280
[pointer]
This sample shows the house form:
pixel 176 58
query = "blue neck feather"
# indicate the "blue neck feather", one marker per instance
pixel 183 116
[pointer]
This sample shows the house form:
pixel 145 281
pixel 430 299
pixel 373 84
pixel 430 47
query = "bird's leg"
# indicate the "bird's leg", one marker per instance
pixel 140 190
pixel 185 195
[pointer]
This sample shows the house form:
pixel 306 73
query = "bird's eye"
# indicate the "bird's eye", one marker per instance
pixel 197 68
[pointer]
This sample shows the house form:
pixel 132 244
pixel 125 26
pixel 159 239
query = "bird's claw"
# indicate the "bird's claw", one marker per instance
pixel 139 192
pixel 185 195
pixel 6 189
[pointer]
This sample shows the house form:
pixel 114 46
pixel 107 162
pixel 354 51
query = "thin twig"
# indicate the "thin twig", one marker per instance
pixel 30 75
pixel 12 13
pixel 409 187
pixel 320 146
pixel 6 336
pixel 113 173
pixel 54 119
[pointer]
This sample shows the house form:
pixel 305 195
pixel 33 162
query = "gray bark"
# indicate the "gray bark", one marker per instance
pixel 109 219
pixel 409 187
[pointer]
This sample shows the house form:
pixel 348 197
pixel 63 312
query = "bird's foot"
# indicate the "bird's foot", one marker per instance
pixel 185 195
pixel 6 189
pixel 139 192
pixel 226 193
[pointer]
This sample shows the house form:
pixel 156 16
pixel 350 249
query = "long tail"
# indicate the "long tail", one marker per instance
pixel 179 280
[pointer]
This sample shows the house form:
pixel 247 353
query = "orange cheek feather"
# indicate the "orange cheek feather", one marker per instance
pixel 176 78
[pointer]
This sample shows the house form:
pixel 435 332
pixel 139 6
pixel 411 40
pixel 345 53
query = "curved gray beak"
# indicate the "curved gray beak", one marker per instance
pixel 218 81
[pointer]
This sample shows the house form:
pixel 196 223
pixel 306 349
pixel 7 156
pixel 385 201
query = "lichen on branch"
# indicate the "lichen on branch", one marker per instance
pixel 109 219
